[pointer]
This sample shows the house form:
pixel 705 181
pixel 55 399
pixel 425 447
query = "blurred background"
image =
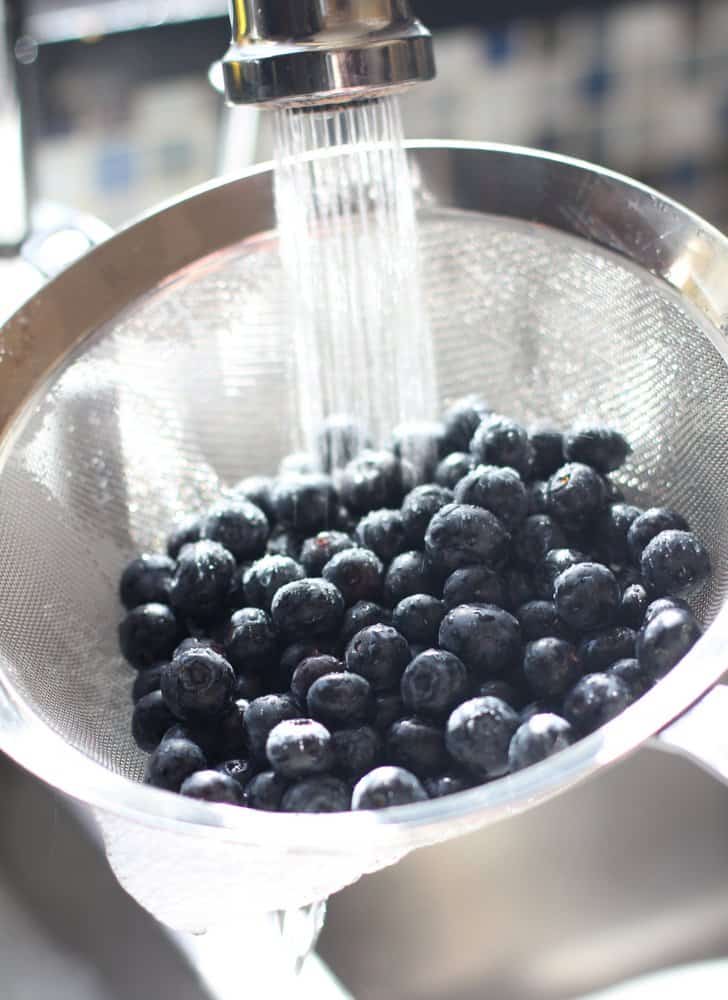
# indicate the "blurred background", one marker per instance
pixel 623 876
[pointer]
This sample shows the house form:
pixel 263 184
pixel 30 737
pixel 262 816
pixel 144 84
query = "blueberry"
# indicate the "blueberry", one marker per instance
pixel 250 640
pixel 357 574
pixel 266 576
pixel 418 509
pixel 240 769
pixel 422 444
pixel 150 721
pixel 518 587
pixel 388 708
pixel 418 618
pixel 283 542
pixel 665 640
pixel 146 580
pixel 148 634
pixel 382 531
pixel 462 420
pixel 536 499
pixel 548 450
pixel 503 690
pixel 594 701
pixel 265 791
pixel 540 619
pixel 479 733
pixel 633 605
pixel 603 448
pixel 598 652
pixel 654 608
pixel 356 751
pixel 674 564
pixel 410 573
pixel 200 584
pixel 501 441
pixel 611 530
pixel 229 731
pixel 198 684
pixel 305 503
pixel 172 762
pixel 434 683
pixel 259 491
pixel 297 748
pixel 248 686
pixel 317 551
pixel 309 670
pixel 538 535
pixel 499 490
pixel 185 532
pixel 633 675
pixel 552 565
pixel 298 651
pixel 540 737
pixel 575 491
pixel 339 439
pixel 379 654
pixel 445 784
pixel 387 786
pixel 307 608
pixel 417 746
pixel 587 596
pixel 451 469
pixel 324 794
pixel 551 666
pixel 486 638
pixel 342 699
pixel 239 526
pixel 361 615
pixel 372 480
pixel 212 786
pixel 263 714
pixel 648 525
pixel 146 681
pixel 460 535
pixel 473 585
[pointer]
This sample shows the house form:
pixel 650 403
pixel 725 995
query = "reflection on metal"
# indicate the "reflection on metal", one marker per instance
pixel 13 178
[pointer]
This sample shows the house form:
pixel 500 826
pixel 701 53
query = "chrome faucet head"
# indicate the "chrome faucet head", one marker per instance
pixel 314 52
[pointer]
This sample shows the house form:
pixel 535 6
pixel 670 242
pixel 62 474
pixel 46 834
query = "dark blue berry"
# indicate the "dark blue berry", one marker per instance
pixel 213 786
pixel 594 701
pixel 361 615
pixel 146 580
pixel 434 683
pixel 419 507
pixel 551 666
pixel 486 638
pixel 265 791
pixel 379 654
pixel 548 450
pixel 461 535
pixel 518 587
pixel 540 619
pixel 298 651
pixel 499 490
pixel 451 469
pixel 341 699
pixel 306 504
pixel 417 746
pixel 654 608
pixel 248 686
pixel 259 491
pixel 538 535
pixel 410 573
pixel 146 681
pixel 611 530
pixel 587 596
pixel 266 576
pixel 198 684
pixel 283 542
pixel 250 640
pixel 601 447
pixel 418 619
pixel 150 721
pixel 298 463
pixel 239 526
pixel 172 762
pixel 598 652
pixel 263 714
pixel 184 533
pixel 503 690
pixel 633 605
pixel 307 608
pixel 148 634
pixel 575 491
pixel 633 675
pixel 297 748
pixel 240 769
pixel 229 731
pixel 387 786
pixel 501 441
pixel 648 525
pixel 357 574
pixel 201 582
pixel 552 565
pixel 388 708
pixel 382 531
pixel 372 480
pixel 324 794
pixel 665 640
pixel 536 497
pixel 674 564
pixel 422 444
pixel 356 751
pixel 339 439
pixel 479 733
pixel 462 420
pixel 540 737
pixel 317 551
pixel 473 585
pixel 309 670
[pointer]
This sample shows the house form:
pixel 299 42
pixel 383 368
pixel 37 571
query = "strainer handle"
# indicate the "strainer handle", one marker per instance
pixel 701 734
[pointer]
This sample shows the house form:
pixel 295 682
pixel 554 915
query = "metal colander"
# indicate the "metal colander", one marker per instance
pixel 156 373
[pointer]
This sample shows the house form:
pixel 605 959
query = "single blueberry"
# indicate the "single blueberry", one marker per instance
pixel 150 721
pixel 212 786
pixel 479 733
pixel 172 762
pixel 633 605
pixel 410 573
pixel 356 751
pixel 538 535
pixel 575 491
pixel 548 450
pixel 263 714
pixel 540 737
pixel 382 531
pixel 499 490
pixel 201 582
pixel 340 699
pixel 339 439
pixel 297 748
pixel 648 525
pixel 461 421
pixel 633 675
pixel 250 640
pixel 654 608
pixel 372 480
pixel 587 596
pixel 451 469
pixel 317 551
pixel 146 580
pixel 611 530
pixel 388 708
pixel 266 576
pixel 239 526
pixel 461 535
pixel 594 701
pixel 664 641
pixel 379 654
pixel 283 542
pixel 540 619
pixel 503 690
pixel 551 666
pixel 362 614
pixel 387 786
pixel 357 574
pixel 307 608
pixel 309 670
pixel 600 651
pixel 298 651
pixel 185 532
pixel 603 448
pixel 674 564
pixel 501 441
pixel 198 684
pixel 434 683
pixel 418 618
pixel 259 491
pixel 422 444
pixel 445 784
pixel 486 638
pixel 305 504
pixel 552 565
pixel 148 634
pixel 473 585
pixel 146 681
pixel 419 507
pixel 265 791
pixel 417 746
pixel 322 794
pixel 240 769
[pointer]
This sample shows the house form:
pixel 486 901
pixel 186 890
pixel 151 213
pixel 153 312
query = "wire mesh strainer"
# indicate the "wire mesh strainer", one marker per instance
pixel 156 372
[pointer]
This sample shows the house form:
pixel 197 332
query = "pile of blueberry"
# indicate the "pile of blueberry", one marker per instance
pixel 429 617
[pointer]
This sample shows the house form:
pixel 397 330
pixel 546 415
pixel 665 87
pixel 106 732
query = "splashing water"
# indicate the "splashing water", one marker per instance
pixel 348 240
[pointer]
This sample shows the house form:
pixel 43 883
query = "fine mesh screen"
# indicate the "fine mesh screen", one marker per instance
pixel 190 390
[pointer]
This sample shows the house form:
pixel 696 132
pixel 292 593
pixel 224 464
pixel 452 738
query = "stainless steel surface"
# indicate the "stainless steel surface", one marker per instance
pixel 316 52
pixel 555 287
pixel 14 193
